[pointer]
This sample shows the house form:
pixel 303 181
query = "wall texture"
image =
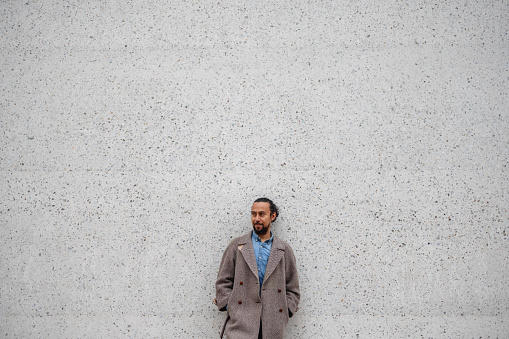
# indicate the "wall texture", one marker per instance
pixel 136 134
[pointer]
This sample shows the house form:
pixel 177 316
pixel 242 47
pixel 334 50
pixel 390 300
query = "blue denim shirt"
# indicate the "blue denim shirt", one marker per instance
pixel 262 252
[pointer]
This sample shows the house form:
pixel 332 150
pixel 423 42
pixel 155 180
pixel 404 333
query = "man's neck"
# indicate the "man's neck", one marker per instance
pixel 265 236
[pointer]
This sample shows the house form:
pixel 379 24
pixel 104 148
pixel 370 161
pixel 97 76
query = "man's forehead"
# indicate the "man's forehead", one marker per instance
pixel 261 206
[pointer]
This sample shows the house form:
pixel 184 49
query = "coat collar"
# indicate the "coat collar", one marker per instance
pixel 246 248
pixel 277 252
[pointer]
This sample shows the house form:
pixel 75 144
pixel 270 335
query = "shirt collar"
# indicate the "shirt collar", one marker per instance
pixel 256 237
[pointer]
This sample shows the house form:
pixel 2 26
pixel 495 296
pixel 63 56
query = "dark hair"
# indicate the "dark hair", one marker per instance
pixel 273 207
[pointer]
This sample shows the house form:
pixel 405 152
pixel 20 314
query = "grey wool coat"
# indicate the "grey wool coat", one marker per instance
pixel 237 286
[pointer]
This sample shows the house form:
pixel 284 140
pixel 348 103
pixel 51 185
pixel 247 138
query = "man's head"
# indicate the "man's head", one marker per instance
pixel 263 213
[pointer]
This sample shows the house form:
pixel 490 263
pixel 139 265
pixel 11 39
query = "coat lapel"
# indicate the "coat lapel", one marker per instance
pixel 276 253
pixel 248 253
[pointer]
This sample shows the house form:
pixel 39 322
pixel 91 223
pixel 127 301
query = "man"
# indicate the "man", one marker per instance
pixel 257 283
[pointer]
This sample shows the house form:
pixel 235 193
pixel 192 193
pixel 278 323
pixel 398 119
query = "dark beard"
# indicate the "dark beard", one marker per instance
pixel 263 231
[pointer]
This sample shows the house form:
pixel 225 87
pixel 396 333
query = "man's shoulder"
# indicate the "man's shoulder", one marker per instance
pixel 282 243
pixel 240 240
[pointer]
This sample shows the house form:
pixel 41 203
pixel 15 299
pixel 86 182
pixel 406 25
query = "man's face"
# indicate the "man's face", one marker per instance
pixel 261 217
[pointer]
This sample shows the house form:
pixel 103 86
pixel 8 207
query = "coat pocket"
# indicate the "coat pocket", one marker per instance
pixel 229 304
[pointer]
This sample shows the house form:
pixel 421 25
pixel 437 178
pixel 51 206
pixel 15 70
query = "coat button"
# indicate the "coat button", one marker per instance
pixel 240 302
pixel 279 290
pixel 242 283
pixel 280 310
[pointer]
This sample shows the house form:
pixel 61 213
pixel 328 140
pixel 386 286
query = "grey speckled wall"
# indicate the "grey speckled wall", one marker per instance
pixel 136 134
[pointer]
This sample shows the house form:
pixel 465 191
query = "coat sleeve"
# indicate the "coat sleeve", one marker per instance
pixel 225 276
pixel 292 282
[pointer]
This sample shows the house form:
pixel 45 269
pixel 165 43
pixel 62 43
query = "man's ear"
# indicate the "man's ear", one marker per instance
pixel 273 216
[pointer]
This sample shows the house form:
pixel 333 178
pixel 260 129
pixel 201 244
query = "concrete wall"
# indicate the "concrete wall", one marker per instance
pixel 136 134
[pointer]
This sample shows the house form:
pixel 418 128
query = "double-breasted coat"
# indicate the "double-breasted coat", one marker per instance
pixel 237 286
